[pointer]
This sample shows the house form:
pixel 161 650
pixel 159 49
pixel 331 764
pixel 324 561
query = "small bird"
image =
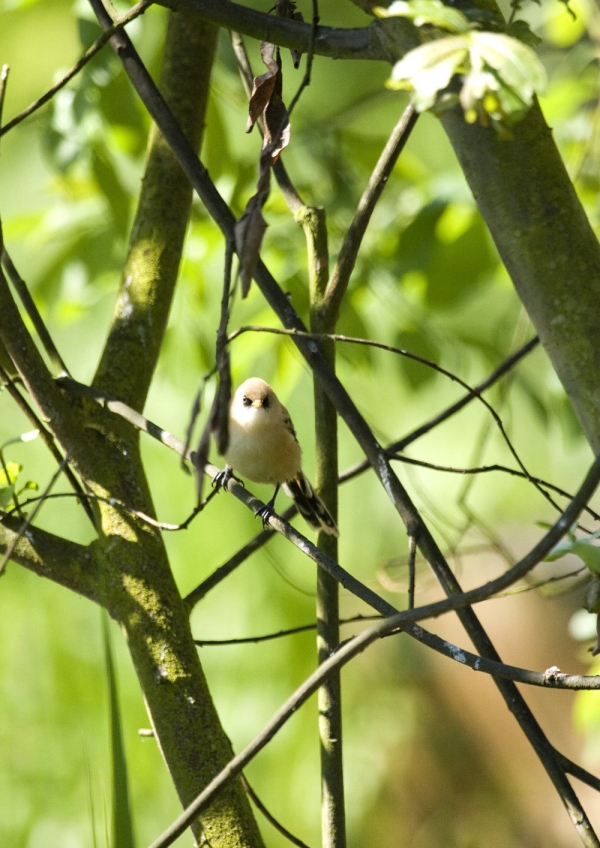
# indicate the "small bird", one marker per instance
pixel 263 447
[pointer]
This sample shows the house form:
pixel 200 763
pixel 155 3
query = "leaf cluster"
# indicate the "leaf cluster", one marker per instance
pixel 498 72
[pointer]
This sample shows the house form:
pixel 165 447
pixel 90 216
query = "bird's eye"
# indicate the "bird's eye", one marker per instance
pixel 246 401
pixel 266 402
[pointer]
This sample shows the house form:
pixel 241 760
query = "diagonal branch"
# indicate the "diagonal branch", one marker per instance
pixel 89 54
pixel 346 260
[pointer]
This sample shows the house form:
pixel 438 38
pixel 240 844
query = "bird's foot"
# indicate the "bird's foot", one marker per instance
pixel 264 513
pixel 222 478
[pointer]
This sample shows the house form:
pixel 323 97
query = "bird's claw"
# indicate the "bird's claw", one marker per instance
pixel 264 513
pixel 222 478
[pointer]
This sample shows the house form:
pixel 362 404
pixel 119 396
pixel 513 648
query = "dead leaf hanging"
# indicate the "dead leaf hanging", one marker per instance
pixel 266 100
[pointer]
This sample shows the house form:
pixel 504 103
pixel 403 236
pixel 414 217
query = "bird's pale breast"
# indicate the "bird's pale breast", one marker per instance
pixel 264 453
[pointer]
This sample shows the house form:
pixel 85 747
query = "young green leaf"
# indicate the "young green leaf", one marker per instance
pixel 582 547
pixel 429 68
pixel 431 12
pixel 9 473
pixel 500 75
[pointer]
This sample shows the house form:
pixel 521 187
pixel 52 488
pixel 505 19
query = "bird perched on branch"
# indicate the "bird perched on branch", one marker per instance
pixel 263 447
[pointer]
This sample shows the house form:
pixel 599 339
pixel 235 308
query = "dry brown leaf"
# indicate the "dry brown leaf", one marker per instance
pixel 266 100
pixel 264 84
pixel 249 232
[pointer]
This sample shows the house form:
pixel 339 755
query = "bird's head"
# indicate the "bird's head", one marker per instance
pixel 254 394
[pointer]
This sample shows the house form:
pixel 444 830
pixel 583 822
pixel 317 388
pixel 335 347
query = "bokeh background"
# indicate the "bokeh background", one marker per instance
pixel 432 757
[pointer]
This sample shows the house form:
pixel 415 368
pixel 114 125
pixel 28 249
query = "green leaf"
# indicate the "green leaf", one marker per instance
pixel 515 62
pixel 6 495
pixel 431 12
pixel 500 75
pixel 13 469
pixel 30 486
pixel 589 553
pixel 522 31
pixel 429 68
pixel 582 547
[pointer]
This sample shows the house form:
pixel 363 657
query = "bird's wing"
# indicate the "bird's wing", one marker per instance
pixel 287 420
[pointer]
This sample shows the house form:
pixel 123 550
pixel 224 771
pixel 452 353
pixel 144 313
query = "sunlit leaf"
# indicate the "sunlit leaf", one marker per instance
pixel 429 68
pixel 13 469
pixel 516 63
pixel 500 74
pixel 426 12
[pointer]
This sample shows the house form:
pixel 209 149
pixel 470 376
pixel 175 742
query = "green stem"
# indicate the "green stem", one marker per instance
pixel 333 824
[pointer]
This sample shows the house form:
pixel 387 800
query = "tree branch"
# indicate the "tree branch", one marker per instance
pixel 346 260
pixel 372 42
pixel 89 54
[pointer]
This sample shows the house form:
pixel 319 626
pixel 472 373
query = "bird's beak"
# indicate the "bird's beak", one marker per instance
pixel 257 403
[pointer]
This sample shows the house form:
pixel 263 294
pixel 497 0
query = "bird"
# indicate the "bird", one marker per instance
pixel 263 448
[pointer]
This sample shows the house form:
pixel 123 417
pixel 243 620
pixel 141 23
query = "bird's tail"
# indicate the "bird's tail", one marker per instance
pixel 310 505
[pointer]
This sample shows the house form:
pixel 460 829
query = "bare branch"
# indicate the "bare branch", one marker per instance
pixel 103 39
pixel 346 261
pixel 270 817
pixel 337 43
pixel 33 313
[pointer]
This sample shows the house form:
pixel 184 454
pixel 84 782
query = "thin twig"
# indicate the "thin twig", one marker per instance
pixel 269 816
pixel 267 637
pixel 33 313
pixel 48 439
pixel 353 238
pixel 310 53
pixel 232 563
pixel 484 469
pixel 580 773
pixel 160 525
pixel 103 39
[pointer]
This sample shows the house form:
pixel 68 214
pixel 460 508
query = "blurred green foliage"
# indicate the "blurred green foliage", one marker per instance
pixel 428 279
